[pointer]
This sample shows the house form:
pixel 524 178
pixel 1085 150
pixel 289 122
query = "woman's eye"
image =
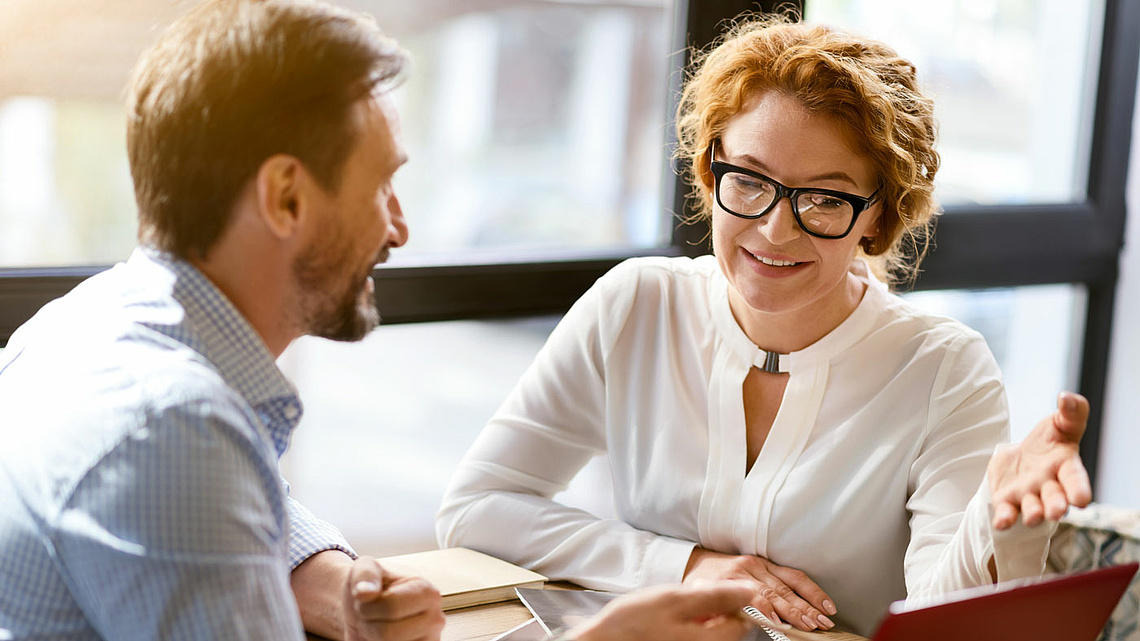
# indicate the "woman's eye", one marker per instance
pixel 824 202
pixel 749 184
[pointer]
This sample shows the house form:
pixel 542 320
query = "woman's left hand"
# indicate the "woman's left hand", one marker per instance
pixel 1043 475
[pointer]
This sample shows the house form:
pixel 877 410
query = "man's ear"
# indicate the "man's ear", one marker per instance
pixel 283 194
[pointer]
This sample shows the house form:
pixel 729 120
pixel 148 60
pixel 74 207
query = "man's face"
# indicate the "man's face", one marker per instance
pixel 359 224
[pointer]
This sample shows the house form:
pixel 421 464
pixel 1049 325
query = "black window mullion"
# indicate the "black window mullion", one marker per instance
pixel 1112 122
pixel 1095 349
pixel 490 290
pixel 1009 246
pixel 1108 175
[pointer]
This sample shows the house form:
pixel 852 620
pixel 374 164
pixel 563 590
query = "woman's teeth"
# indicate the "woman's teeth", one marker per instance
pixel 774 262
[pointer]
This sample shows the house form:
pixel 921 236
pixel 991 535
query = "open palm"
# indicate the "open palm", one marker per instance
pixel 1042 476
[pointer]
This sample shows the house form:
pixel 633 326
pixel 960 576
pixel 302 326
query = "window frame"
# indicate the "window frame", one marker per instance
pixel 977 247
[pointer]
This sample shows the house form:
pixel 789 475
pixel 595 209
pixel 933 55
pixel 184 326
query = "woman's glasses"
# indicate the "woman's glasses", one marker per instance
pixel 823 213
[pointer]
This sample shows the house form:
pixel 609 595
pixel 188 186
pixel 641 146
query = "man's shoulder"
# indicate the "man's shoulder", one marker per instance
pixel 114 355
pixel 133 420
pixel 112 305
pixel 89 349
pixel 107 379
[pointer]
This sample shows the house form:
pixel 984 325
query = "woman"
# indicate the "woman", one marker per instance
pixel 772 412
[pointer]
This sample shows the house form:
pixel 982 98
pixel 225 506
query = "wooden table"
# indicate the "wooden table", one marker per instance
pixel 484 622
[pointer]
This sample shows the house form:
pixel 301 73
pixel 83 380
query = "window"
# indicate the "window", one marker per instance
pixel 526 184
pixel 534 127
pixel 65 190
pixel 1013 82
pixel 391 417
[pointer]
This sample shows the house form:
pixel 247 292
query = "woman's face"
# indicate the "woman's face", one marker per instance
pixel 772 265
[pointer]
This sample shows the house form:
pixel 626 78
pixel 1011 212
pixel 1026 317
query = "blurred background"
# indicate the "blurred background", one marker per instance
pixel 539 130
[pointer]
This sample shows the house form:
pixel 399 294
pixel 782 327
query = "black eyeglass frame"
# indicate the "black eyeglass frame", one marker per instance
pixel 858 204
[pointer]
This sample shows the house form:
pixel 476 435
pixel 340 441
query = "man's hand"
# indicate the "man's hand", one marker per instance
pixel 783 594
pixel 701 611
pixel 1043 475
pixel 382 606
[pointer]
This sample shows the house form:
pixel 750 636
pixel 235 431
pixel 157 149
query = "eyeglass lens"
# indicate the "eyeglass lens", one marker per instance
pixel 819 212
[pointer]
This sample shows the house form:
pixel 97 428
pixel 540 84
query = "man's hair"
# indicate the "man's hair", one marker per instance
pixel 867 87
pixel 232 83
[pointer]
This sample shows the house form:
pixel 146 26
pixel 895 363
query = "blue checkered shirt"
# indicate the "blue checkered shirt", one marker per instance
pixel 139 491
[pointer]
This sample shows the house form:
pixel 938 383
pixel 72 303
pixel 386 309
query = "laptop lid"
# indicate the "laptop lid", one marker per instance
pixel 1072 607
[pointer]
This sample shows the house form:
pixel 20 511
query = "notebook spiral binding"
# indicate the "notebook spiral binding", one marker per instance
pixel 765 624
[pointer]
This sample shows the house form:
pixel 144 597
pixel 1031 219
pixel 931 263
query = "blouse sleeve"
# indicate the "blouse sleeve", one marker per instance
pixel 500 498
pixel 952 540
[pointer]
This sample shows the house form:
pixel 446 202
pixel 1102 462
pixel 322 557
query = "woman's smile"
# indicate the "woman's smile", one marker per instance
pixel 773 266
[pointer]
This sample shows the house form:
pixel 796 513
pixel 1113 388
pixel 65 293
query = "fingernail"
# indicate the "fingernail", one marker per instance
pixel 829 607
pixel 808 622
pixel 1068 403
pixel 825 622
pixel 365 586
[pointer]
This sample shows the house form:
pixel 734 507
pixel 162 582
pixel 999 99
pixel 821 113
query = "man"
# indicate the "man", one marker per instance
pixel 141 498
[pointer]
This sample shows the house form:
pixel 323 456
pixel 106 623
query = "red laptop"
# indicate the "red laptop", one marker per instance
pixel 1071 607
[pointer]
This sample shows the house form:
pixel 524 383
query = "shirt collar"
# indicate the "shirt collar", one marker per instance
pixel 853 329
pixel 213 327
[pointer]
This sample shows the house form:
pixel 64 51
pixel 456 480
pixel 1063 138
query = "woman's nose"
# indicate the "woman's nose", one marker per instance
pixel 779 226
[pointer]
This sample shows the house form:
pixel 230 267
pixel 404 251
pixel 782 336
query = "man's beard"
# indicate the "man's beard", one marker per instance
pixel 347 314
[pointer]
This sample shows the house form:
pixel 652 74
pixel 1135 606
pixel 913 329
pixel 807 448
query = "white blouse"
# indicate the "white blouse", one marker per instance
pixel 870 481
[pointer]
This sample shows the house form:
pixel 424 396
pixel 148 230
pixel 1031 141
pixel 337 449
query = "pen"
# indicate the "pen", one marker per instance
pixel 771 628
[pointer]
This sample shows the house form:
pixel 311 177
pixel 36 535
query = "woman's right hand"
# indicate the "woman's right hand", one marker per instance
pixel 786 594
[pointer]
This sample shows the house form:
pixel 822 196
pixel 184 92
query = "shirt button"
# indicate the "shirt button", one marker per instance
pixel 291 412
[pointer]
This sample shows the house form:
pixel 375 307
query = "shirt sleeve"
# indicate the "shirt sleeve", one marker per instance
pixel 179 532
pixel 500 498
pixel 309 535
pixel 952 539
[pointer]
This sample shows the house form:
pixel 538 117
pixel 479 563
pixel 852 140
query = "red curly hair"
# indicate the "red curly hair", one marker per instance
pixel 863 84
